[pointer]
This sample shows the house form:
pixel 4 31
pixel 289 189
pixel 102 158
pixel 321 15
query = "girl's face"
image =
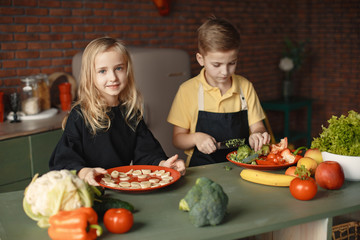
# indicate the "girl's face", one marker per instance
pixel 111 75
pixel 219 66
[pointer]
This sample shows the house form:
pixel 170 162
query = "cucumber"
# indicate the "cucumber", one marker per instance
pixel 102 204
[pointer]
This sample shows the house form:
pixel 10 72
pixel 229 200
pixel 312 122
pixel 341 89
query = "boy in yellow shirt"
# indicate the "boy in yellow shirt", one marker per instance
pixel 217 104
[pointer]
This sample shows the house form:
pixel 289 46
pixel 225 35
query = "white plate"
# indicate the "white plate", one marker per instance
pixel 42 115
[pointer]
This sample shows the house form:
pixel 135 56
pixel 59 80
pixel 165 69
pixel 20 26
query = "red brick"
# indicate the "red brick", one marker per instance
pixel 49 4
pixel 72 36
pixel 11 11
pixel 61 28
pixel 37 11
pixel 38 28
pixel 73 20
pixel 60 62
pixel 94 5
pixel 50 54
pixel 50 37
pixel 50 20
pixel 94 20
pixel 26 37
pixel 98 13
pixel 13 46
pixel 83 28
pixel 6 20
pixel 38 45
pixel 12 28
pixel 71 4
pixel 39 63
pixel 82 12
pixel 101 28
pixel 26 20
pixel 6 37
pixel 5 73
pixel 25 3
pixel 26 54
pixel 59 12
pixel 24 72
pixel 6 55
pixel 13 64
pixel 61 45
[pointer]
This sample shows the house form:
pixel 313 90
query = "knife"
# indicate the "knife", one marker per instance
pixel 250 158
pixel 230 143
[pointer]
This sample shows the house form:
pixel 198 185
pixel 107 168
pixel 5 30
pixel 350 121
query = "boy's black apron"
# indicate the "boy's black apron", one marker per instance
pixel 221 126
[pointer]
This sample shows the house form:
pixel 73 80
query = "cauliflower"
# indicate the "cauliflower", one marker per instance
pixel 55 191
pixel 206 203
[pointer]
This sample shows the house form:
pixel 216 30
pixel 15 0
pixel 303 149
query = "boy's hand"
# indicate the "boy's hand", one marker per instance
pixel 89 174
pixel 256 140
pixel 174 163
pixel 205 143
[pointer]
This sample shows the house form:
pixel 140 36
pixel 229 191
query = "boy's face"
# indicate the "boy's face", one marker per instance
pixel 111 75
pixel 219 66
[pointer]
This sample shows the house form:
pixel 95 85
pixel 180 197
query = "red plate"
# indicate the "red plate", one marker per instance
pixel 259 167
pixel 173 173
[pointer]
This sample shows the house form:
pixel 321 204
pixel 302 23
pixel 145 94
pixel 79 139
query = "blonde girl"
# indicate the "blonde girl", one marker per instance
pixel 105 127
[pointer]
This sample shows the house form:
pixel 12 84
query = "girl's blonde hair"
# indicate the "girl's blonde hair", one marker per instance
pixel 93 106
pixel 217 34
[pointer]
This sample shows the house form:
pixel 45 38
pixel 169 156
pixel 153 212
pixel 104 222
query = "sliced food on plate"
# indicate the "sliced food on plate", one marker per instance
pixel 138 177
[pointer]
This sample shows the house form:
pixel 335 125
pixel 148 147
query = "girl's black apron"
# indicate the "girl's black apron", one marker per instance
pixel 221 126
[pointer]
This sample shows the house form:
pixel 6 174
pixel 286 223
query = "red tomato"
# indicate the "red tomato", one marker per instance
pixel 118 220
pixel 303 189
pixel 329 175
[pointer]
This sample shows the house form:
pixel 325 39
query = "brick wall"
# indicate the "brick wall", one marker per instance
pixel 42 36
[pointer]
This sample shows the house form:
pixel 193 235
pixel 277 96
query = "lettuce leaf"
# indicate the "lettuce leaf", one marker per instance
pixel 342 136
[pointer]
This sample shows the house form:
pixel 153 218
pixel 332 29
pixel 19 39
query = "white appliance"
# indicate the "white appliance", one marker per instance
pixel 158 75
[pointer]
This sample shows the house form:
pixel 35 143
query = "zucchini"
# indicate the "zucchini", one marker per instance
pixel 102 204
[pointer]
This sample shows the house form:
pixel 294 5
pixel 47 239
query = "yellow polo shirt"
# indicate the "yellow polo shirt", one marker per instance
pixel 184 109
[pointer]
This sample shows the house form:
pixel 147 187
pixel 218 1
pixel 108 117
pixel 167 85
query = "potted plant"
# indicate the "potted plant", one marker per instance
pixel 292 59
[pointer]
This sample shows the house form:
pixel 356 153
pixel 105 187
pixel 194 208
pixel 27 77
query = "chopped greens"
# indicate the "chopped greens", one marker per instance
pixel 342 136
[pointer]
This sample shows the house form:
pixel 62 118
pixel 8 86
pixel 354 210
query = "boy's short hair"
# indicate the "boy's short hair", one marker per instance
pixel 217 35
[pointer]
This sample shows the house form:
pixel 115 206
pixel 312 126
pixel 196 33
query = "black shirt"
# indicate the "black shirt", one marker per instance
pixel 118 146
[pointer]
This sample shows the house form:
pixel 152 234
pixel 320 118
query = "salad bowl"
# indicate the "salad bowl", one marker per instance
pixel 350 164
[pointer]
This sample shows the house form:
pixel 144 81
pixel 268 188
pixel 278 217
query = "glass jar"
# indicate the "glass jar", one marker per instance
pixel 42 91
pixel 29 102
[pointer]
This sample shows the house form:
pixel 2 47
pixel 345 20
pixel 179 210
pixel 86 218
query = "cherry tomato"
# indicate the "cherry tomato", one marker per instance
pixel 118 220
pixel 303 188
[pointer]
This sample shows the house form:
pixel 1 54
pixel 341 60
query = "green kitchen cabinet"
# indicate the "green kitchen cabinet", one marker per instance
pixel 15 171
pixel 42 146
pixel 22 157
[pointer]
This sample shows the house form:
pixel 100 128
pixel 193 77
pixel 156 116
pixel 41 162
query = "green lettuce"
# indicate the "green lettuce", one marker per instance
pixel 342 136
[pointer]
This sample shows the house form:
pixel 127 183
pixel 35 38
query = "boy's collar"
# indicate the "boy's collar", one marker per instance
pixel 235 88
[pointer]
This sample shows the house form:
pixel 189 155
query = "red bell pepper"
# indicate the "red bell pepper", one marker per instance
pixel 79 224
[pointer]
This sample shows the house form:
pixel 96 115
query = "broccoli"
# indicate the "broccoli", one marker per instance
pixel 206 203
pixel 265 150
pixel 243 152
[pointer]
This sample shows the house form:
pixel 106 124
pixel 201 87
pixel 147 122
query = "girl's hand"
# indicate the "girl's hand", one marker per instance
pixel 256 140
pixel 205 143
pixel 174 163
pixel 89 174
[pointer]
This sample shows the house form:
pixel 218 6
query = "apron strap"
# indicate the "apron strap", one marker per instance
pixel 243 101
pixel 201 99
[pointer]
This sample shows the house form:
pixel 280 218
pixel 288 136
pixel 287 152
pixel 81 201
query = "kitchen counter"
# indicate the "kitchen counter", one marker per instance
pixel 253 209
pixel 28 127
